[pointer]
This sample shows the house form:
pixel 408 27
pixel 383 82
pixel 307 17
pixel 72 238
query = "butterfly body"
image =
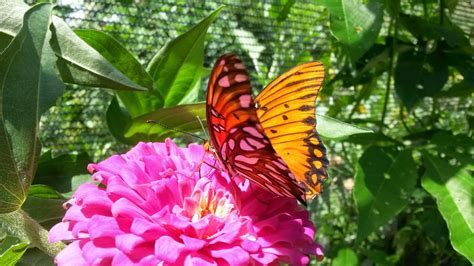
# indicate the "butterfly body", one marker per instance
pixel 270 140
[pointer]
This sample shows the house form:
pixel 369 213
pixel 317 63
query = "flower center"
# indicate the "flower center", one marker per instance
pixel 214 202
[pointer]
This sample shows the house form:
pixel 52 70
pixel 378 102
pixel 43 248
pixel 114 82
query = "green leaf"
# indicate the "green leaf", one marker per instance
pixel 6 241
pixel 27 89
pixel 44 205
pixel 124 61
pixel 35 257
pixel 345 257
pixel 5 40
pixel 168 121
pixel 354 24
pixel 421 28
pixel 44 191
pixel 117 55
pixel 184 117
pixel 281 9
pixel 176 67
pixel 118 121
pixel 452 187
pixel 332 128
pixel 57 172
pixel 384 181
pixel 76 181
pixel 419 75
pixel 459 147
pixel 78 63
pixel 460 89
pixel 13 254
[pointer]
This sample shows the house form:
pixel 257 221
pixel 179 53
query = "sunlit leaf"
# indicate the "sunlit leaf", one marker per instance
pixel 124 61
pixel 384 181
pixel 332 128
pixel 354 24
pixel 176 68
pixel 281 9
pixel 345 257
pixel 117 55
pixel 166 122
pixel 13 254
pixel 78 62
pixel 452 187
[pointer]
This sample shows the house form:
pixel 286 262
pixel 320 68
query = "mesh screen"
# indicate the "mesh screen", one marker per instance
pixel 269 40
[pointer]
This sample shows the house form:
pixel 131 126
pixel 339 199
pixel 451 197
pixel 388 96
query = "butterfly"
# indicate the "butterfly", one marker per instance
pixel 272 139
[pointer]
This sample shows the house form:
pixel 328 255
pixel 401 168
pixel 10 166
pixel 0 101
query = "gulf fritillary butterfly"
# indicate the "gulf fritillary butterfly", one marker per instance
pixel 272 139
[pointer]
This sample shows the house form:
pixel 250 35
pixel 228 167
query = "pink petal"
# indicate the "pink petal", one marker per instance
pixel 250 246
pixel 71 255
pixel 100 226
pixel 168 249
pixel 128 242
pixel 193 243
pixel 233 256
pixel 60 232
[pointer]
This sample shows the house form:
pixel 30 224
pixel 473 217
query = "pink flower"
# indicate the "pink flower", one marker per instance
pixel 160 205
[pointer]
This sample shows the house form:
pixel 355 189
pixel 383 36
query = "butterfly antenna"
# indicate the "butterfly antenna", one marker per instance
pixel 203 129
pixel 174 129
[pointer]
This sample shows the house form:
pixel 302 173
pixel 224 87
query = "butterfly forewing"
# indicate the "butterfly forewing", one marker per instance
pixel 286 112
pixel 238 137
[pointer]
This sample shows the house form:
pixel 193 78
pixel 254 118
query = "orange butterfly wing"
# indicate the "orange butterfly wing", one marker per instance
pixel 236 135
pixel 286 112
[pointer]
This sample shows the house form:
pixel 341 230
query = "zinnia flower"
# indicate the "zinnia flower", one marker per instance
pixel 160 204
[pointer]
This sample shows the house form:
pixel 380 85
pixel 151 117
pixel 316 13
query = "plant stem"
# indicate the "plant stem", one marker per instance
pixel 22 226
pixel 393 24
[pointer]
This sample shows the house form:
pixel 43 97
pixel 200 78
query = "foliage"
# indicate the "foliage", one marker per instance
pixel 402 68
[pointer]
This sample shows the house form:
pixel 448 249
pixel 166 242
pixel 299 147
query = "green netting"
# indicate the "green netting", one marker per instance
pixel 269 39
pixel 252 29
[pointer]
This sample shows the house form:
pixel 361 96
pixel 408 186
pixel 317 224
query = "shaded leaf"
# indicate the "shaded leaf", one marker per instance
pixel 452 187
pixel 354 24
pixel 384 181
pixel 332 128
pixel 35 257
pixel 13 254
pixel 44 205
pixel 5 40
pixel 118 121
pixel 422 28
pixel 26 93
pixel 76 181
pixel 419 75
pixel 176 68
pixel 57 172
